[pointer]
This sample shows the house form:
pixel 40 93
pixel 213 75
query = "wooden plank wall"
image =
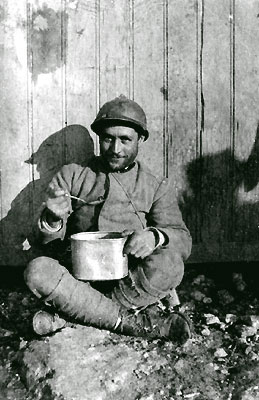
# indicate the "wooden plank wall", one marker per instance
pixel 192 65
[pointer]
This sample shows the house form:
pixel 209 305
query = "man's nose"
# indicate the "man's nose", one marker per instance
pixel 116 146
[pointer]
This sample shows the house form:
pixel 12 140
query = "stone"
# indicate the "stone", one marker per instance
pixel 220 353
pixel 211 319
pixel 85 363
pixel 251 320
pixel 231 318
pixel 225 297
pixel 197 295
pixel 180 366
pixel 239 282
pixel 5 332
pixel 246 331
pixel 207 300
pixel 199 279
pixel 249 394
pixel 205 331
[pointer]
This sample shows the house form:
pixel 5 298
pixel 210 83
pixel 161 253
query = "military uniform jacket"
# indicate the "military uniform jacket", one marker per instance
pixel 133 199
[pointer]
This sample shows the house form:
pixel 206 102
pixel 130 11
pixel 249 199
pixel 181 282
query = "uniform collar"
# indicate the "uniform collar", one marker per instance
pixel 128 168
pixel 104 167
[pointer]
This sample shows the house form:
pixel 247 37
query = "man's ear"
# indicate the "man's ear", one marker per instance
pixel 141 139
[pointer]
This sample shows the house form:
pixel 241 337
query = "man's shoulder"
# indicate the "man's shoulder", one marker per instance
pixel 150 175
pixel 71 170
pixel 79 169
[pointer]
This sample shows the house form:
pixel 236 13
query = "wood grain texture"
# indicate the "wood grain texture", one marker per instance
pixel 215 184
pixel 14 130
pixel 38 141
pixel 149 76
pixel 82 63
pixel 184 105
pixel 131 74
pixel 246 154
pixel 46 39
pixel 114 49
pixel 192 66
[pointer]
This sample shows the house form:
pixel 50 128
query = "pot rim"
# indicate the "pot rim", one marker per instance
pixel 76 236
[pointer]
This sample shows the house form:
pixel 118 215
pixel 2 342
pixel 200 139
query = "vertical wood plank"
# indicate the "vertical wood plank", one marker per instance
pixel 97 61
pixel 47 77
pixel 13 102
pixel 148 76
pixel 29 25
pixel 165 88
pixel 183 105
pixel 15 173
pixel 215 71
pixel 82 68
pixel 2 45
pixel 114 49
pixel 131 47
pixel 233 168
pixel 246 121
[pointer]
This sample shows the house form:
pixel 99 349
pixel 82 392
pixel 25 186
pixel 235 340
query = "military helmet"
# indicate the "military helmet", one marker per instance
pixel 121 111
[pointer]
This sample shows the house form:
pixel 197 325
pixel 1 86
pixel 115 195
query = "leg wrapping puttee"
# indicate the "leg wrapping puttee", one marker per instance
pixel 73 298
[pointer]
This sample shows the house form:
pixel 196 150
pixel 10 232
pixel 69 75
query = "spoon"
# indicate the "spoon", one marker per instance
pixel 74 197
pixel 91 203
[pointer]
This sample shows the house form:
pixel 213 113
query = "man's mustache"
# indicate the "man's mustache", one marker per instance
pixel 114 155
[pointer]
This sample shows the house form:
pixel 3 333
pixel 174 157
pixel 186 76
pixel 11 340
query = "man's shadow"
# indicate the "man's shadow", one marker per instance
pixel 217 205
pixel 72 144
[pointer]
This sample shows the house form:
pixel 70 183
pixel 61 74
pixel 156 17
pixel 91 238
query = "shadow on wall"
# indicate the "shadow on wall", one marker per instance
pixel 212 206
pixel 72 144
pixel 216 204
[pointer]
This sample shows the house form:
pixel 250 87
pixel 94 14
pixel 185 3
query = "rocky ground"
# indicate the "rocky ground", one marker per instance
pixel 221 361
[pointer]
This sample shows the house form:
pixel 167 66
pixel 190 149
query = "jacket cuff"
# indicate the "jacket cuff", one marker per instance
pixel 160 237
pixel 45 225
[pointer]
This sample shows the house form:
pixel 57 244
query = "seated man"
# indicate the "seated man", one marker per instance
pixel 121 195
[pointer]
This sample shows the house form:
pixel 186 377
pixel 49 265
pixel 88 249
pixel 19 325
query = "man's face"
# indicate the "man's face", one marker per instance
pixel 119 146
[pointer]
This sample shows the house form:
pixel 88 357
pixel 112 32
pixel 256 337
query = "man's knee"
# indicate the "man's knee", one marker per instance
pixel 42 275
pixel 173 269
pixel 152 280
pixel 163 272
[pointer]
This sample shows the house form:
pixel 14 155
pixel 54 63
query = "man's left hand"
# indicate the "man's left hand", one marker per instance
pixel 139 244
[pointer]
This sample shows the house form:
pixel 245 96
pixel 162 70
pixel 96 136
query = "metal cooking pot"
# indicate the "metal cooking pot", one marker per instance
pixel 98 256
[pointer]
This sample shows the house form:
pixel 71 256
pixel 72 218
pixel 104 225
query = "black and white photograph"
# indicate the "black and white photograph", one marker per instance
pixel 129 200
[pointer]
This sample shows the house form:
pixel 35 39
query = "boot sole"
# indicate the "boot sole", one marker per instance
pixel 44 323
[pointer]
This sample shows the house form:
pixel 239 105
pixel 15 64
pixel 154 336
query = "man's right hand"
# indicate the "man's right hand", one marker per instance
pixel 57 203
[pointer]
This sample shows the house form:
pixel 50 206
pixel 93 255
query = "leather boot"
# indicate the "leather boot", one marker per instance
pixel 153 323
pixel 45 323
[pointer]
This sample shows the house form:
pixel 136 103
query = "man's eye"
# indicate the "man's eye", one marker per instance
pixel 107 139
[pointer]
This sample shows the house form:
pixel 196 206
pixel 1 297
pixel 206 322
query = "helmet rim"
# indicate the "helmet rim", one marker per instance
pixel 123 121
